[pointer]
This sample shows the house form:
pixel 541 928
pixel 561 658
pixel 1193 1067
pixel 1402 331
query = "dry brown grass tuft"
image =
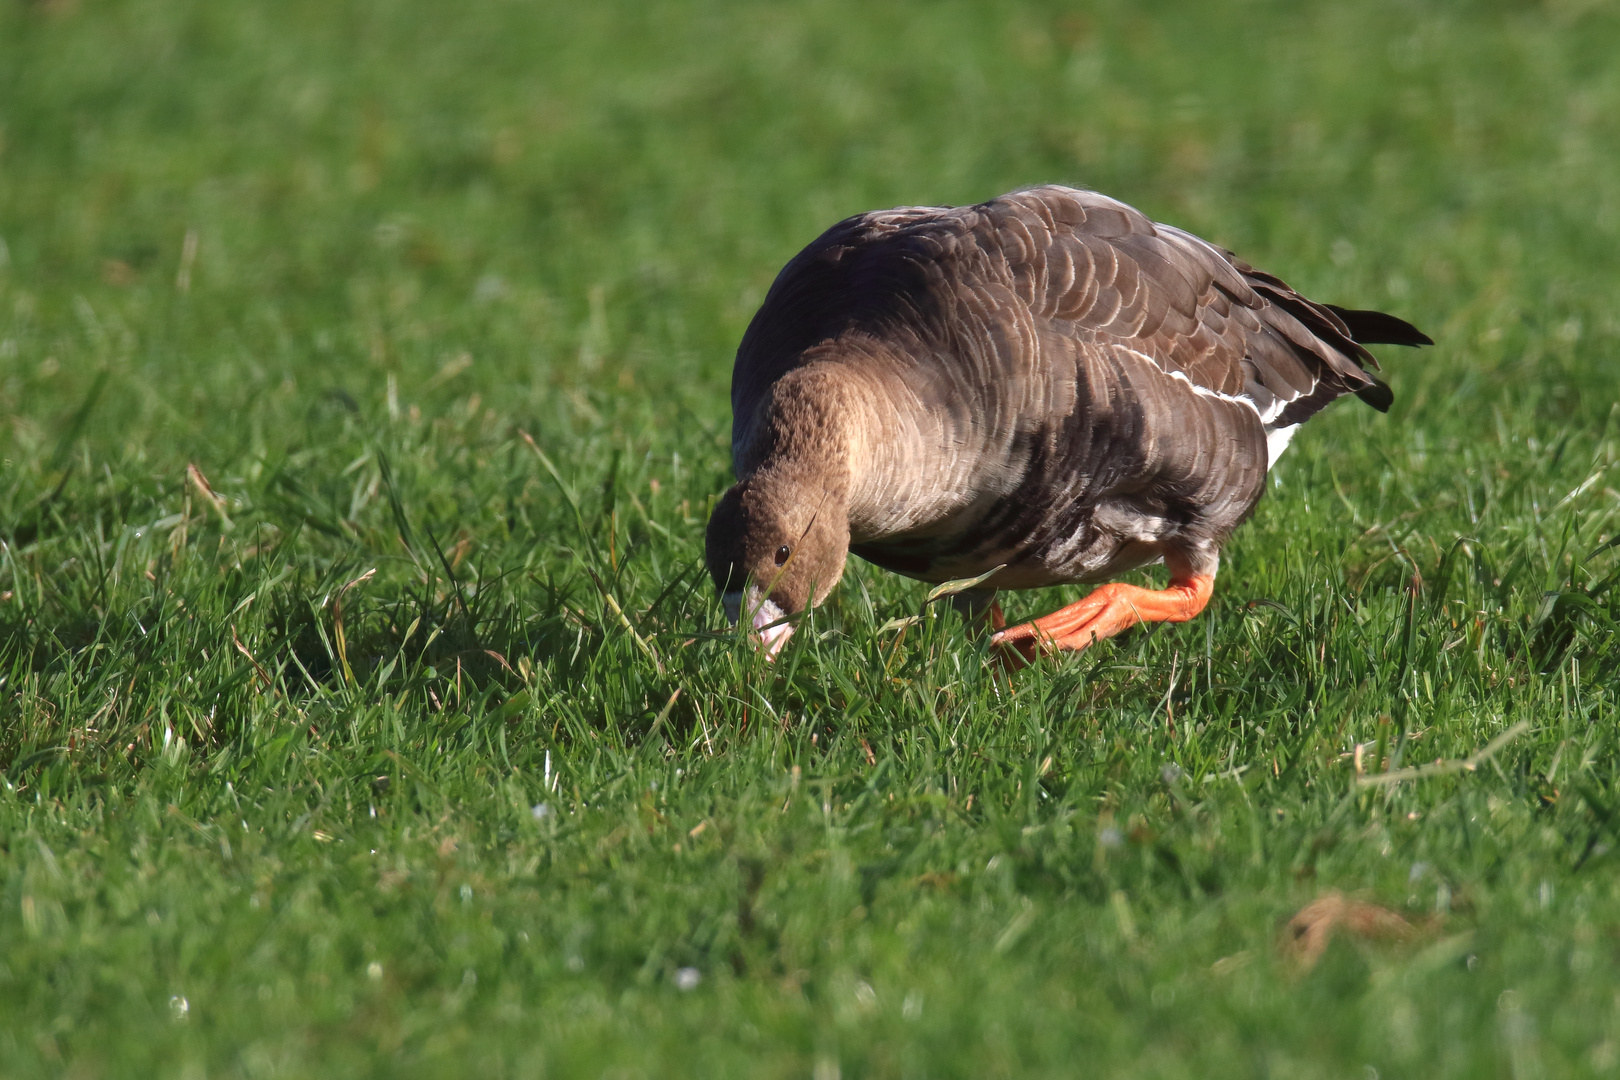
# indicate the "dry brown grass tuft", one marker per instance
pixel 1313 926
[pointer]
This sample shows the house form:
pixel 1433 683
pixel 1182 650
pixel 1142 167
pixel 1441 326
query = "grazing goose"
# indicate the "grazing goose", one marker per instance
pixel 1047 385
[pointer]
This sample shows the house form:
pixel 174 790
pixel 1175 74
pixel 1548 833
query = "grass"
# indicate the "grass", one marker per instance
pixel 364 369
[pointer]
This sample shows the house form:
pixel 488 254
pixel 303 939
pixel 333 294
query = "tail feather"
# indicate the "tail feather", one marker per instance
pixel 1379 328
pixel 1378 395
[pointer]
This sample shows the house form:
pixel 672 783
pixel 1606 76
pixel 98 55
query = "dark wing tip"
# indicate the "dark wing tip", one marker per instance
pixel 1378 395
pixel 1379 328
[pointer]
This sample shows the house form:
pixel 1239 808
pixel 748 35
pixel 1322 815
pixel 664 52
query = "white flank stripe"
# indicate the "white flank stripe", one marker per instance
pixel 1266 415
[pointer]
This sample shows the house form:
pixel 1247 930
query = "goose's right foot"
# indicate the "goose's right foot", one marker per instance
pixel 1104 613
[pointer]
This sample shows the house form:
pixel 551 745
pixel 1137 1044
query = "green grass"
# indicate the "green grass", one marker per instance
pixel 408 757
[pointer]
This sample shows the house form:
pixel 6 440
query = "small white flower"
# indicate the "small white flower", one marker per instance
pixel 687 979
pixel 374 971
pixel 541 811
pixel 179 1007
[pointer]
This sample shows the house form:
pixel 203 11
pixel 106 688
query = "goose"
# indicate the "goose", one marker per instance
pixel 1046 388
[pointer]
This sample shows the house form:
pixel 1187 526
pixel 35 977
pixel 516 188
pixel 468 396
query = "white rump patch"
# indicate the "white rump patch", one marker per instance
pixel 1277 441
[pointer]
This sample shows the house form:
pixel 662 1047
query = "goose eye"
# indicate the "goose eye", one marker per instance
pixel 782 554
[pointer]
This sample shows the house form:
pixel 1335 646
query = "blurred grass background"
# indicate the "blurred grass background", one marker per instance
pixel 363 371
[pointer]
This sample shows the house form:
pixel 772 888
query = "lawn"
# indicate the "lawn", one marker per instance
pixel 363 394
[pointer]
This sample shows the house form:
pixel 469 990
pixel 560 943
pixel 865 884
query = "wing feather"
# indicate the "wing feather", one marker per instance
pixel 1086 267
pixel 1193 308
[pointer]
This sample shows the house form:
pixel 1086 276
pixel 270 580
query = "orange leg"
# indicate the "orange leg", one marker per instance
pixel 1107 611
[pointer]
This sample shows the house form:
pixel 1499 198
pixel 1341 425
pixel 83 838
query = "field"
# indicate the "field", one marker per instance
pixel 363 394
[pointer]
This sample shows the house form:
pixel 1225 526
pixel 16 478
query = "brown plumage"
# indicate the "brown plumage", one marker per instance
pixel 1048 383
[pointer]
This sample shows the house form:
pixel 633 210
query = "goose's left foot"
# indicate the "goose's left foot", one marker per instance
pixel 1107 611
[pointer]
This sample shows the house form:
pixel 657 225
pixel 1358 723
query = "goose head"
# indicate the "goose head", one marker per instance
pixel 774 550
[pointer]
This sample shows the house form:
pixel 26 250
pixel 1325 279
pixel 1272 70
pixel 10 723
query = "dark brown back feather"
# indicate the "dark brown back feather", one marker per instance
pixel 1088 266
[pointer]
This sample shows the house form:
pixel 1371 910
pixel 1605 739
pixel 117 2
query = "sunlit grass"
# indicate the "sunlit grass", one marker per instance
pixel 364 370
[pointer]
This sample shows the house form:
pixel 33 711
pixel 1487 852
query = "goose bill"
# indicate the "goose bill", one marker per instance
pixel 771 638
pixel 764 613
